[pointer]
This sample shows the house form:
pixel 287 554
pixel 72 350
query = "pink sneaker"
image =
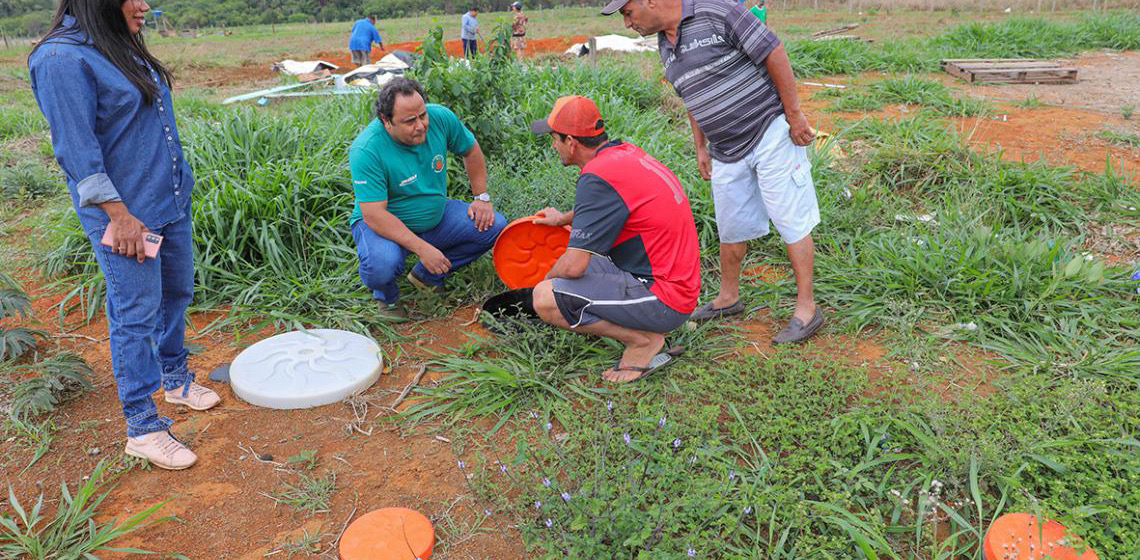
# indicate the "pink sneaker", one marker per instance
pixel 162 450
pixel 197 398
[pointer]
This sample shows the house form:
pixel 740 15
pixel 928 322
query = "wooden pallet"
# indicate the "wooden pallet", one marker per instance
pixel 1010 70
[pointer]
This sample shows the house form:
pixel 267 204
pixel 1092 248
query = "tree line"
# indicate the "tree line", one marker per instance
pixel 29 18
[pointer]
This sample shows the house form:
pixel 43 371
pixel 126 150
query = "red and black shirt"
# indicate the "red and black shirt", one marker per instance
pixel 631 208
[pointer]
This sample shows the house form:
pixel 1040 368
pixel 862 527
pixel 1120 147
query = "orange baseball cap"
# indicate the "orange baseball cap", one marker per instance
pixel 573 115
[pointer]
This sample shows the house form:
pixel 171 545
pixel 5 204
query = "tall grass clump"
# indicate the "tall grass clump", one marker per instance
pixel 907 90
pixel 16 122
pixel 72 532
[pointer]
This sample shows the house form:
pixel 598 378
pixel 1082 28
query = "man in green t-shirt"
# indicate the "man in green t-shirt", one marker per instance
pixel 399 176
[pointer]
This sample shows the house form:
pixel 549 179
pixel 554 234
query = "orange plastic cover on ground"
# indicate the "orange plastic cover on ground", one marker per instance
pixel 526 251
pixel 1017 535
pixel 388 534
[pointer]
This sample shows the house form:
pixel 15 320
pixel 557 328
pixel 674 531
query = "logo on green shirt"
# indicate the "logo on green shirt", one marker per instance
pixel 437 163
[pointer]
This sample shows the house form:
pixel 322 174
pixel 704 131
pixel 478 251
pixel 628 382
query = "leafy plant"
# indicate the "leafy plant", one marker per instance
pixel 305 460
pixel 72 532
pixel 47 384
pixel 309 494
pixel 28 180
pixel 16 341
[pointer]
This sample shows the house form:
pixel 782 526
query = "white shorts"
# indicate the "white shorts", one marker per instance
pixel 772 182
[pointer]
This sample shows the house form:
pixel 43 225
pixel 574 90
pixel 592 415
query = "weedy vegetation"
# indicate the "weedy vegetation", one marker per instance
pixel 908 90
pixel 1126 139
pixel 72 531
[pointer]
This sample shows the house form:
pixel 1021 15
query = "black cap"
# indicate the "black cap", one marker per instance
pixel 613 6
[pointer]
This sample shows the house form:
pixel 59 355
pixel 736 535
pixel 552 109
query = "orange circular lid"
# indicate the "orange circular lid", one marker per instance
pixel 526 251
pixel 388 534
pixel 1018 535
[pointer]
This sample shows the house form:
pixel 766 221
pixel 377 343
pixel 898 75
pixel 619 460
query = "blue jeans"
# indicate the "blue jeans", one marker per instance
pixel 470 48
pixel 382 260
pixel 146 310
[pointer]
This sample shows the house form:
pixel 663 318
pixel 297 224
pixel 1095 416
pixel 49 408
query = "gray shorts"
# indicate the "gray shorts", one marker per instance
pixel 361 58
pixel 610 293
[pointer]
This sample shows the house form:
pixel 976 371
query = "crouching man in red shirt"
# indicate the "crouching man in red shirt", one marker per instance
pixel 631 271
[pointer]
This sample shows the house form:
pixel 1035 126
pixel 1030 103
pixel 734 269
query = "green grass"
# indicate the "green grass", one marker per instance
pixel 1031 101
pixel 310 494
pixel 1126 139
pixel 72 531
pixel 1017 37
pixel 907 90
pixel 831 472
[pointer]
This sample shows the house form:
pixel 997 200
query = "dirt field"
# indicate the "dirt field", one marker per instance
pixel 1063 131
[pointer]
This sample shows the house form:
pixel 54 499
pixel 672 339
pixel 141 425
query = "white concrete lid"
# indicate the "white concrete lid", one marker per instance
pixel 302 369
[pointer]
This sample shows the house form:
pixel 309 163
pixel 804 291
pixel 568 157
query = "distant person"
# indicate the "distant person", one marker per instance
pixel 632 269
pixel 760 11
pixel 364 33
pixel 399 176
pixel 469 31
pixel 518 30
pixel 737 83
pixel 107 101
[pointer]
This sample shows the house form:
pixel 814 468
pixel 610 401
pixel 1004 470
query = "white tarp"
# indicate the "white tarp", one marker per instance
pixel 295 68
pixel 618 43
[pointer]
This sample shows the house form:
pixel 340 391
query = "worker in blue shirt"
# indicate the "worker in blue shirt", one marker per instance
pixel 364 33
pixel 469 31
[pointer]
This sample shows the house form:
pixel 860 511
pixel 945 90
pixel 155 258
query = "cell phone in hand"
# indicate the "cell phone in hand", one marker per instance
pixel 151 242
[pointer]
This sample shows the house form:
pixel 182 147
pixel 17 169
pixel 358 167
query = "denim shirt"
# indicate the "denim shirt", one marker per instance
pixel 111 144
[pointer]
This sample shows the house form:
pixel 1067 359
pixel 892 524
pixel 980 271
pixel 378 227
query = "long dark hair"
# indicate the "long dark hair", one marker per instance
pixel 104 23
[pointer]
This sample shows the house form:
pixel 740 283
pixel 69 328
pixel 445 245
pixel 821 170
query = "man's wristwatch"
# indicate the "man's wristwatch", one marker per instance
pixel 483 197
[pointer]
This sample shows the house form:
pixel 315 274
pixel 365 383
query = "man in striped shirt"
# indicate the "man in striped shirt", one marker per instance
pixel 737 84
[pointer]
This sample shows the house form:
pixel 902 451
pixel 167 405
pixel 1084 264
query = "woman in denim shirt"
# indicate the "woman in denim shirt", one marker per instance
pixel 107 100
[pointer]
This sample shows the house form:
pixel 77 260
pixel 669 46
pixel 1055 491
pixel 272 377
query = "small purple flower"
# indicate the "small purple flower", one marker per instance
pixel 537 504
pixel 661 422
pixel 692 553
pixel 565 496
pixel 731 475
pixel 546 482
pixel 503 468
pixel 610 406
pixel 677 443
pixel 533 415
pixel 626 438
pixel 748 510
pixel 549 523
pixel 461 464
pixel 549 426
pixel 487 512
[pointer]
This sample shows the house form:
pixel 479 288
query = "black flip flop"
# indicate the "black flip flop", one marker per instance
pixel 656 363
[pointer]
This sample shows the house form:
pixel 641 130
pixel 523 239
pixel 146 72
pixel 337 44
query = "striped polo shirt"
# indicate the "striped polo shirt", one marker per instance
pixel 717 67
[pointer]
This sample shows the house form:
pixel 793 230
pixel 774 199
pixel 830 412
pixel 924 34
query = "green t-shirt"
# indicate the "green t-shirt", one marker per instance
pixel 413 179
